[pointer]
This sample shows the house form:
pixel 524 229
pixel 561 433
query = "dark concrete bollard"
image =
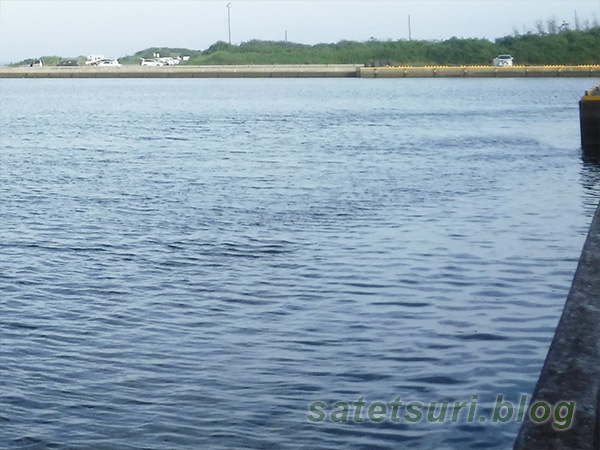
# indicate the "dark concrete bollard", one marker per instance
pixel 589 116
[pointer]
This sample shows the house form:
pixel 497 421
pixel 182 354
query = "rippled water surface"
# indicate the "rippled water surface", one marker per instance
pixel 192 263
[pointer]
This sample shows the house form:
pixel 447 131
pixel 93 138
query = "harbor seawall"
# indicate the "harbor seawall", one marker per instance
pixel 571 371
pixel 480 72
pixel 300 71
pixel 258 71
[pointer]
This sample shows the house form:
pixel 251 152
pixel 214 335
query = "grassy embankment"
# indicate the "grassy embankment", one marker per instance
pixel 567 47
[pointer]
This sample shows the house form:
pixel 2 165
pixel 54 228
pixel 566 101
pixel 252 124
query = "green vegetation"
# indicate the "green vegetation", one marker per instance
pixel 569 47
pixel 563 47
pixel 453 51
pixel 557 45
pixel 49 61
pixel 163 51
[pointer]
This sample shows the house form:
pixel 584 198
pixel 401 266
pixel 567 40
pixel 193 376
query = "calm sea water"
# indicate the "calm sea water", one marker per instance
pixel 192 263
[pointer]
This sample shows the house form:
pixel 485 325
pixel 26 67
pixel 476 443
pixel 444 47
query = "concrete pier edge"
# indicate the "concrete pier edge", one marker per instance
pixel 301 71
pixel 571 371
pixel 481 72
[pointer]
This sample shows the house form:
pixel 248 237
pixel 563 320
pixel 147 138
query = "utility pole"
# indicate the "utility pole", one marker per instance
pixel 229 20
pixel 409 31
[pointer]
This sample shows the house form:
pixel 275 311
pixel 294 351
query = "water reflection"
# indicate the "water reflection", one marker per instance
pixel 590 181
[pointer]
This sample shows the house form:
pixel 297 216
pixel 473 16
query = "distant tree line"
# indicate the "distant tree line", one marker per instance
pixel 554 26
pixel 559 45
pixel 551 43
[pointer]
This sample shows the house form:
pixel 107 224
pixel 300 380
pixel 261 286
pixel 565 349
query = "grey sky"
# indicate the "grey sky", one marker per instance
pixel 33 28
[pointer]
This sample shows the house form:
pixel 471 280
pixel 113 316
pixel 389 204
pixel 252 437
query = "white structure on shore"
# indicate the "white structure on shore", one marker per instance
pixel 101 60
pixel 94 59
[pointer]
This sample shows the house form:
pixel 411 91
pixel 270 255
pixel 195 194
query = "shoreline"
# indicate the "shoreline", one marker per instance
pixel 302 71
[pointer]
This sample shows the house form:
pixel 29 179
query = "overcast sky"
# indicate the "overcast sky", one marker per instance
pixel 68 28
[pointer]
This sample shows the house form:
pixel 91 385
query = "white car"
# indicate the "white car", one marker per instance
pixel 151 63
pixel 108 63
pixel 168 61
pixel 503 61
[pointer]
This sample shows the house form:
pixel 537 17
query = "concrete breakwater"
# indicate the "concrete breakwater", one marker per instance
pixel 571 371
pixel 257 71
pixel 480 72
pixel 300 71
